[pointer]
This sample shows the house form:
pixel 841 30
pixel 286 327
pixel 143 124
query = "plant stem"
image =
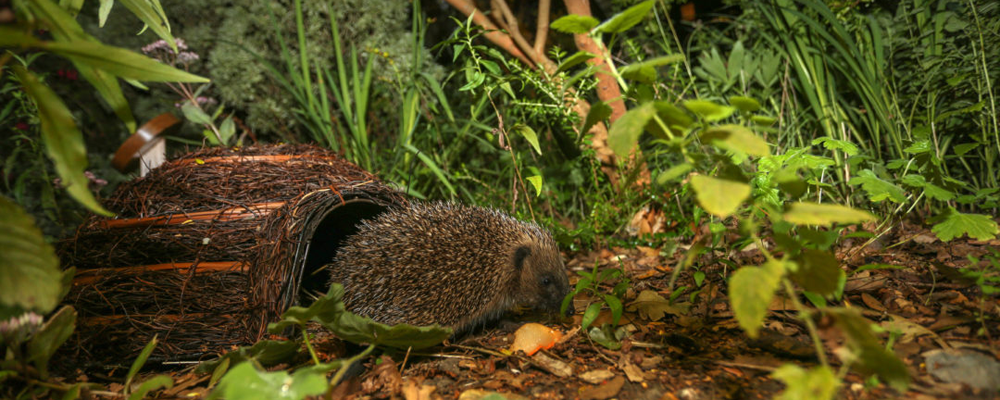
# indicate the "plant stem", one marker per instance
pixel 312 352
pixel 804 315
pixel 347 365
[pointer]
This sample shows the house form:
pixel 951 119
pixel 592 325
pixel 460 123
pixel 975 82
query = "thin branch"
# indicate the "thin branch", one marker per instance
pixel 542 27
pixel 467 8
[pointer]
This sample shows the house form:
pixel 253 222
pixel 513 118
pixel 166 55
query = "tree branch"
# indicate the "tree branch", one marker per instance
pixel 466 7
pixel 542 27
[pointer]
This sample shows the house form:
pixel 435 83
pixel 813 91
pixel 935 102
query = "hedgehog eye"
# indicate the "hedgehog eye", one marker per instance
pixel 546 281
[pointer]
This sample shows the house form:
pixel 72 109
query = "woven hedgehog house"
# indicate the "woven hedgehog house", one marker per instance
pixel 209 248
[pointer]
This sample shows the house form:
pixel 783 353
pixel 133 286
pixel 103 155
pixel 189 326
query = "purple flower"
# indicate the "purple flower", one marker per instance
pixel 18 329
pixel 187 57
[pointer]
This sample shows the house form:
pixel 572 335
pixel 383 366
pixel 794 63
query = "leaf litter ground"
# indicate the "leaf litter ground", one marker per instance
pixel 906 281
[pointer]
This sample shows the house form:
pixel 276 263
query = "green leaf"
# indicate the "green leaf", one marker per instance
pixel 574 60
pixel 529 135
pixel 750 292
pixel 952 224
pixel 358 329
pixel 745 104
pixel 673 173
pixel 818 271
pixel 536 181
pixel 626 19
pixel 119 62
pixel 63 141
pixel 151 384
pixel 218 372
pixel 709 111
pixel 818 383
pixel 720 197
pixel 931 190
pixel 140 361
pixel 736 137
pixel 963 148
pixel 245 382
pixel 605 336
pixel 824 214
pixel 871 356
pixel 153 17
pixel 877 189
pixel 763 120
pixel 103 11
pixel 625 132
pixel 646 71
pixel 919 147
pixel 599 112
pixel 590 314
pixel 195 114
pixel 676 120
pixel 837 144
pixel 574 23
pixel 29 268
pixel 615 305
pixel 264 352
pixel 50 336
pixel 227 129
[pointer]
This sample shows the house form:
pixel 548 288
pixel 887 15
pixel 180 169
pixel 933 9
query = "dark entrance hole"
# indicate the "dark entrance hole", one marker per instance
pixel 337 225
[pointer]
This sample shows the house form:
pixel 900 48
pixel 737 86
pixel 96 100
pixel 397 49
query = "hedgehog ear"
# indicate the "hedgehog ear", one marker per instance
pixel 520 255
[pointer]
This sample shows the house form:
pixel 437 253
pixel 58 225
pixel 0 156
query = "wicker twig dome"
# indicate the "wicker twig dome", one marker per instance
pixel 210 247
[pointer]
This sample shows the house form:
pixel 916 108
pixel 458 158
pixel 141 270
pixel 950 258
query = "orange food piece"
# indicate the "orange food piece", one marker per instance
pixel 532 337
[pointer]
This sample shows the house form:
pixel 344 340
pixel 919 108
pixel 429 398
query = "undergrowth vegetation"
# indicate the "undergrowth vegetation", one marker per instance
pixel 787 124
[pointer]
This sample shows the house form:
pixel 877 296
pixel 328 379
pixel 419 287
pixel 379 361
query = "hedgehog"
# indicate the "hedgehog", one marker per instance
pixel 448 264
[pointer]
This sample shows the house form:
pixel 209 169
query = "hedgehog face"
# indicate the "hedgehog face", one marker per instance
pixel 542 276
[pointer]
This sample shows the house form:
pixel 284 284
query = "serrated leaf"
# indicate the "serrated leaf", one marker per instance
pixel 824 214
pixel 931 190
pixel 536 181
pixel 750 292
pixel 529 135
pixel 745 104
pixel 871 356
pixel 574 60
pixel 878 189
pixel 625 132
pixel 955 224
pixel 29 268
pixel 646 71
pixel 818 271
pixel 50 336
pixel 63 140
pixel 818 383
pixel 837 144
pixel 247 383
pixel 626 19
pixel 736 137
pixel 599 112
pixel 709 111
pixel 119 62
pixel 652 306
pixel 574 23
pixel 720 197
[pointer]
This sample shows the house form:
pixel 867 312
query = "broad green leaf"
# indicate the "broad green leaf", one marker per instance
pixel 264 352
pixel 673 173
pixel 590 314
pixel 574 23
pixel 109 89
pixel 155 383
pixel 358 329
pixel 871 356
pixel 745 104
pixel 574 60
pixel 29 268
pixel 140 361
pixel 103 11
pixel 599 112
pixel 708 110
pixel 818 271
pixel 763 120
pixel 736 137
pixel 63 141
pixel 536 181
pixel 50 336
pixel 646 71
pixel 625 132
pixel 195 114
pixel 825 214
pixel 920 147
pixel 878 189
pixel 837 144
pixel 818 383
pixel 952 224
pixel 626 19
pixel 615 305
pixel 963 148
pixel 245 382
pixel 529 135
pixel 750 292
pixel 119 62
pixel 227 129
pixel 931 190
pixel 149 12
pixel 720 197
